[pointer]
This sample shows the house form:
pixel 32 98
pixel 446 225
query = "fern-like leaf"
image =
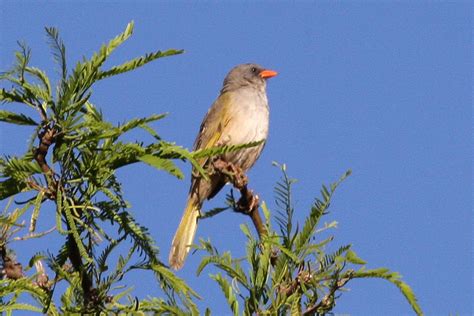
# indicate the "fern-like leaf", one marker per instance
pixel 11 96
pixel 283 201
pixel 228 292
pixel 162 164
pixel 221 150
pixel 41 75
pixel 394 278
pixel 14 118
pixel 137 62
pixel 329 259
pixel 59 50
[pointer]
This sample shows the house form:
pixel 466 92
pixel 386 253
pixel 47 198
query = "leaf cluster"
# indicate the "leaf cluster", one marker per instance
pixel 291 269
pixel 92 216
pixel 70 166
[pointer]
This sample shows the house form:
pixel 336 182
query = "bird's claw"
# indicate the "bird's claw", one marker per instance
pixel 248 203
pixel 235 174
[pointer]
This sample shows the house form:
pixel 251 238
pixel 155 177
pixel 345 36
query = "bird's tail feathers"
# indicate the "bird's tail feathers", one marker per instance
pixel 184 235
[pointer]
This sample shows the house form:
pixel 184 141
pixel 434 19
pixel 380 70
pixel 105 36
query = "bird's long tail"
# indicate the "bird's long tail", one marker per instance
pixel 184 235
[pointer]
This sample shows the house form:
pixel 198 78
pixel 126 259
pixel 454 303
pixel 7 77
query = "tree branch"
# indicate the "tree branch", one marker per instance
pixel 327 302
pixel 10 268
pixel 248 203
pixel 47 137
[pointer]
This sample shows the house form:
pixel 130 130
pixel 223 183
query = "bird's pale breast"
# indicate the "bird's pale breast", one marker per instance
pixel 249 122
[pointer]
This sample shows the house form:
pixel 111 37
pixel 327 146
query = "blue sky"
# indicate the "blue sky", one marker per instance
pixel 382 88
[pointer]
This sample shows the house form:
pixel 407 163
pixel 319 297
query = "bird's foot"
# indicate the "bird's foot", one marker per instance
pixel 247 203
pixel 234 173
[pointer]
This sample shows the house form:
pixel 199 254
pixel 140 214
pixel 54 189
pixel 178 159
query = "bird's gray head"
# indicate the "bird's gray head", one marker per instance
pixel 247 75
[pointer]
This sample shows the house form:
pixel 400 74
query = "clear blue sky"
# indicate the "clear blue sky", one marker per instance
pixel 382 88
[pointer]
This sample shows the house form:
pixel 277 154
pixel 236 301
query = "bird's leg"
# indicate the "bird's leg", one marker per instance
pixel 221 166
pixel 248 203
pixel 234 174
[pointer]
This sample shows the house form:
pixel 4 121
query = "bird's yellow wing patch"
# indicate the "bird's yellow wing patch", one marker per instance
pixel 213 127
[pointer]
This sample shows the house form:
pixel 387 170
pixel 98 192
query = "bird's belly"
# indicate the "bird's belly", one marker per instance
pixel 248 128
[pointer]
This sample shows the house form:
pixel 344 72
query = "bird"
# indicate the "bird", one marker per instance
pixel 239 115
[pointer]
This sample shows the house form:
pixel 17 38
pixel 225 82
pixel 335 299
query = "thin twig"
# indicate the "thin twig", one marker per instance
pixel 46 138
pixel 37 235
pixel 327 302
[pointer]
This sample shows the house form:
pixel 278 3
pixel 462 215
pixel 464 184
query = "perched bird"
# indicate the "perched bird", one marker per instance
pixel 240 115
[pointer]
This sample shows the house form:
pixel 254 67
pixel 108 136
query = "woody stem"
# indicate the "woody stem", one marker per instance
pixel 248 203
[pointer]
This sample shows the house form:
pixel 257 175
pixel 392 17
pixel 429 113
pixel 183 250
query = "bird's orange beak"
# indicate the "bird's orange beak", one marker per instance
pixel 265 74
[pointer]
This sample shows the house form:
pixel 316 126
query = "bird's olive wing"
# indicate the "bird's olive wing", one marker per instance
pixel 214 123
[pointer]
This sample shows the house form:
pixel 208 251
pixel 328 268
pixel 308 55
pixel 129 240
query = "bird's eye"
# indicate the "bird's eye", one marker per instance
pixel 254 69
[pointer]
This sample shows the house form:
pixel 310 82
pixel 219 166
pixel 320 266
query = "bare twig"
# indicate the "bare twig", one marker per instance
pixel 37 235
pixel 327 302
pixel 301 280
pixel 47 137
pixel 11 268
pixel 48 192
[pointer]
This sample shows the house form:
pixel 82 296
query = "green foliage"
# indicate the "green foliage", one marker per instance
pixel 289 271
pixel 70 167
pixel 393 277
pixel 85 151
pixel 19 119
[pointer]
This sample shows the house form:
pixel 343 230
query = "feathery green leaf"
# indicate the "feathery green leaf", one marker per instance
pixel 352 257
pixel 137 62
pixel 14 118
pixel 10 187
pixel 394 278
pixel 162 164
pixel 58 49
pixel 11 96
pixel 228 292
